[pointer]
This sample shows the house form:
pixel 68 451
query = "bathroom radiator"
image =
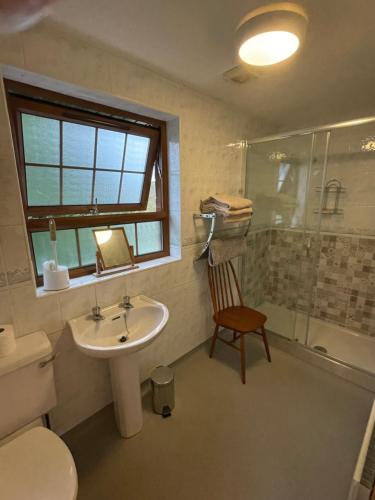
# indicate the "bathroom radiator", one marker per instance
pixel 363 482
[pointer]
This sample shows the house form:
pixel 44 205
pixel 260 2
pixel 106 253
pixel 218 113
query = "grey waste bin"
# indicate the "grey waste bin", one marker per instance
pixel 162 379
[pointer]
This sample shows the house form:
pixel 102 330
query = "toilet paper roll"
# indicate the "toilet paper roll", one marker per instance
pixel 55 279
pixel 7 340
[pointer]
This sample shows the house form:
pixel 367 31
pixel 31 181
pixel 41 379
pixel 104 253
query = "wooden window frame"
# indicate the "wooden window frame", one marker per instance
pixel 24 98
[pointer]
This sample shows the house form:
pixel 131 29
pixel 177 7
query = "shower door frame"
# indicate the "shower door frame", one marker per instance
pixel 313 131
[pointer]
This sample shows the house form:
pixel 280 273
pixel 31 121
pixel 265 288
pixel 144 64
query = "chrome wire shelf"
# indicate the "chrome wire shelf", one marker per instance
pixel 213 217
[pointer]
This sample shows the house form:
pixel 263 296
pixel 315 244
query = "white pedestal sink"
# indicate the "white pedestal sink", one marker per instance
pixel 118 336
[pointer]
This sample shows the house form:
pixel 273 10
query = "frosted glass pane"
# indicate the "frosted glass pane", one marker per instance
pixel 149 237
pixel 78 145
pixel 107 186
pixel 67 253
pixel 110 149
pixel 87 245
pixel 77 185
pixel 42 249
pixel 43 186
pixel 131 188
pixel 41 139
pixel 130 234
pixel 136 153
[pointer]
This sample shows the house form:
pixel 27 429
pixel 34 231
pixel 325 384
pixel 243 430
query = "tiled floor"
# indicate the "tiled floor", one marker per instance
pixel 292 433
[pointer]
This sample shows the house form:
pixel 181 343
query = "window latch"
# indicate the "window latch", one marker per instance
pixel 158 168
pixel 94 210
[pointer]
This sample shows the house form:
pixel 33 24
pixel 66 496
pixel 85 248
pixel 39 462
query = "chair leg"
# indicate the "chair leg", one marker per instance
pixel 234 336
pixel 213 341
pixel 266 343
pixel 243 358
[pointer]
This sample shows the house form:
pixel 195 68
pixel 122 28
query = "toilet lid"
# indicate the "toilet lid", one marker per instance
pixel 37 466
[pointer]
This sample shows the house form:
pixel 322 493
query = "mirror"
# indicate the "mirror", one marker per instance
pixel 113 248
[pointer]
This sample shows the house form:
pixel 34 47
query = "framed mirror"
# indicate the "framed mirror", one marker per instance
pixel 114 251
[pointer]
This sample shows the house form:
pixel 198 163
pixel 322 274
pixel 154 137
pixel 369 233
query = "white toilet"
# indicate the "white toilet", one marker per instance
pixel 35 464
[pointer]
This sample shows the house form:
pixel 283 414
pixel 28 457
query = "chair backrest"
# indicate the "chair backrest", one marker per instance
pixel 224 288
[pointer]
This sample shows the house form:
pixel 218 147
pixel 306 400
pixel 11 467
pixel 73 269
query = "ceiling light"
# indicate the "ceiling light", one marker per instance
pixel 271 34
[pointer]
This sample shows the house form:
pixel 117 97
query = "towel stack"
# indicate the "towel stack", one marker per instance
pixel 232 208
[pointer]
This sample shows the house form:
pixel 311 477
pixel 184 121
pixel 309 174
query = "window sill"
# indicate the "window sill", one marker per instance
pixel 90 279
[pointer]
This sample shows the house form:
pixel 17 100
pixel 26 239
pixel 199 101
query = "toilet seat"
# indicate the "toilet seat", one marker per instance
pixel 37 466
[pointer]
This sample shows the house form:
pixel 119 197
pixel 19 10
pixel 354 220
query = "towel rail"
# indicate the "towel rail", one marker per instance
pixel 213 217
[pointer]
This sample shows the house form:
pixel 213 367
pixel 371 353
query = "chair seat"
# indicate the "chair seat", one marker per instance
pixel 242 319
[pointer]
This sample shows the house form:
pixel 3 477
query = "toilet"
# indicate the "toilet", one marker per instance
pixel 35 464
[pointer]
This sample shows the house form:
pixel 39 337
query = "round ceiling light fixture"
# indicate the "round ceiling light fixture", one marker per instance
pixel 271 34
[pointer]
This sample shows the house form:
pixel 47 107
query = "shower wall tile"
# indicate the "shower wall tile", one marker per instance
pixel 331 303
pixel 332 276
pixel 256 266
pixel 361 314
pixel 291 268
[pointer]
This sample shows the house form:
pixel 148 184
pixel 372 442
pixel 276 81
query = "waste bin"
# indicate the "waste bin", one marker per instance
pixel 162 379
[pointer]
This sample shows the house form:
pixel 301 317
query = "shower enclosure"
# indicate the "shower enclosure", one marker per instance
pixel 310 262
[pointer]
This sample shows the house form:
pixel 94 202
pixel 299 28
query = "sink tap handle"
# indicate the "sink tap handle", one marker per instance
pixel 96 314
pixel 126 304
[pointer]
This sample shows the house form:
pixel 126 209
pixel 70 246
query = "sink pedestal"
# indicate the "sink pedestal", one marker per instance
pixel 126 388
pixel 118 336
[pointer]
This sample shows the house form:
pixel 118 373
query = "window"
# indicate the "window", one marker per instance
pixel 88 166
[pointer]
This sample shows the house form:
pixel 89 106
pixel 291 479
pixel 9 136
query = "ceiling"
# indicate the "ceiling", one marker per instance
pixel 332 78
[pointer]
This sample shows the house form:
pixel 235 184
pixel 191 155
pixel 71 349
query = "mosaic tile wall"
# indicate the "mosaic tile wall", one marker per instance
pixel 282 265
pixel 256 264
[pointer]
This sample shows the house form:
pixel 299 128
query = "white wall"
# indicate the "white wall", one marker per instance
pixel 209 163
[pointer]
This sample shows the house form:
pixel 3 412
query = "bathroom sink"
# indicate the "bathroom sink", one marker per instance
pixel 121 331
pixel 118 336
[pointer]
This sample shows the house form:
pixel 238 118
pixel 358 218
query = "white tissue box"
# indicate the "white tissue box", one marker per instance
pixel 55 279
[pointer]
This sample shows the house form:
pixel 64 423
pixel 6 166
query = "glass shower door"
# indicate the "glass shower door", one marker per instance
pixel 278 177
pixel 310 263
pixel 309 249
pixel 343 281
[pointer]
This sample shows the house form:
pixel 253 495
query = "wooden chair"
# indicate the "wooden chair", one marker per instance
pixel 238 318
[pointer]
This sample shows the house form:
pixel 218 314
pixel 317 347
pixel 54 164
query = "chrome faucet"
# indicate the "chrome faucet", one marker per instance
pixel 126 304
pixel 96 314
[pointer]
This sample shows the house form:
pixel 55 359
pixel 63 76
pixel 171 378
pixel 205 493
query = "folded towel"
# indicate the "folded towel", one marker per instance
pixel 234 218
pixel 224 250
pixel 229 202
